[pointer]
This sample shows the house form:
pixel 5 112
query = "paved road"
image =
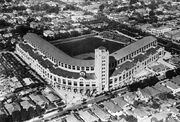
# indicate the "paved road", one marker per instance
pixel 100 98
pixel 58 112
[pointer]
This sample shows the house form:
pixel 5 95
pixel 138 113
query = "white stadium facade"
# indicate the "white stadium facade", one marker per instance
pixel 105 72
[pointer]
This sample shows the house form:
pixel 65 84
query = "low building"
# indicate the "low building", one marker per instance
pixel 154 92
pixel 173 87
pixel 12 108
pixel 161 88
pixel 72 118
pixel 174 36
pixel 102 115
pixel 112 108
pixel 48 33
pixel 26 105
pixel 130 97
pixel 144 94
pixel 87 117
pixel 39 100
pixel 176 80
pixel 159 31
pixel 121 103
pixel 27 81
pixel 140 114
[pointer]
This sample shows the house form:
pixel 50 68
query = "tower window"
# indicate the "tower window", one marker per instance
pixel 64 81
pixel 75 83
pixel 120 78
pixel 78 68
pixel 69 82
pixel 93 84
pixel 69 66
pixel 82 68
pixel 59 80
pixel 92 68
pixel 115 80
pixel 87 68
pixel 81 84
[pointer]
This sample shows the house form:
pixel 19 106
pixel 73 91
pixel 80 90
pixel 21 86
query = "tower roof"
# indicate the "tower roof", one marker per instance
pixel 102 48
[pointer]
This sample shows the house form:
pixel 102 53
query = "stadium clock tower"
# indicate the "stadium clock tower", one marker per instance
pixel 102 68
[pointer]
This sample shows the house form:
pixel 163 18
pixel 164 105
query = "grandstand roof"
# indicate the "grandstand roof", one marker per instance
pixel 55 52
pixel 49 65
pixel 132 47
pixel 64 58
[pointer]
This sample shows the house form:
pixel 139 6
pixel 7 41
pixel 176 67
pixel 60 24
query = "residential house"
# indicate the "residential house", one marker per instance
pixel 12 108
pixel 87 117
pixel 72 118
pixel 104 116
pixel 112 108
pixel 173 87
pixel 176 80
pixel 144 94
pixel 161 88
pixel 154 92
pixel 140 114
pixel 121 103
pixel 130 97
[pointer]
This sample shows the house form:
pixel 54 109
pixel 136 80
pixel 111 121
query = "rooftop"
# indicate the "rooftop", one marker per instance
pixel 52 97
pixel 145 93
pixel 120 102
pixel 100 113
pixel 87 117
pixel 125 66
pixel 72 118
pixel 132 47
pixel 55 52
pixel 12 107
pixel 139 58
pixel 152 91
pixel 112 106
pixel 26 104
pixel 172 85
pixel 37 99
pixel 176 79
pixel 49 65
pixel 140 113
pixel 161 88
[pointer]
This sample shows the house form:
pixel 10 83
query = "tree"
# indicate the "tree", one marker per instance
pixel 170 74
pixel 131 119
pixel 31 112
pixel 3 117
pixel 24 115
pixel 16 116
pixel 153 80
pixel 9 119
pixel 177 71
pixel 101 7
pixel 39 110
pixel 155 105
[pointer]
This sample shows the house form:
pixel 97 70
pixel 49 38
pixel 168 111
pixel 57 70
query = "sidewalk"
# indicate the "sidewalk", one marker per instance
pixel 70 98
